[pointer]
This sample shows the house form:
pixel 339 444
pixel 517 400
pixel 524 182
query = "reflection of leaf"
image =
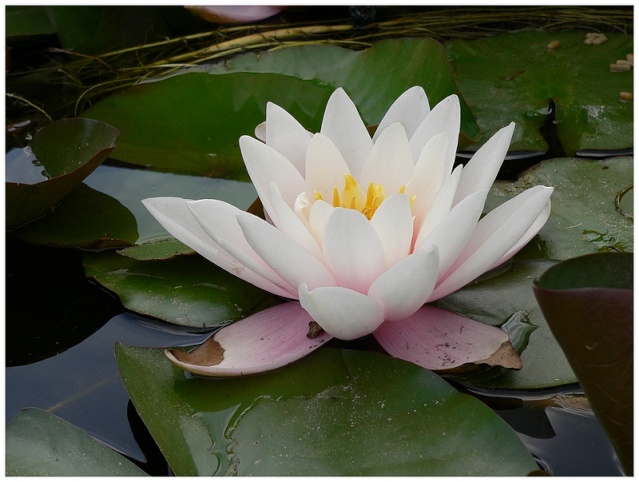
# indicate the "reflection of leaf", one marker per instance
pixel 588 304
pixel 41 444
pixel 583 218
pixel 359 413
pixel 513 77
pixel 185 290
pixel 67 151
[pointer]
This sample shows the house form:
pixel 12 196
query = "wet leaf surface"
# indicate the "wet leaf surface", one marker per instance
pixel 515 76
pixel 359 414
pixel 588 304
pixel 41 444
pixel 585 217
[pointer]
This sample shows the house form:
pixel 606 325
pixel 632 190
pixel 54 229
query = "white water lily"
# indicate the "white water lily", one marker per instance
pixel 362 231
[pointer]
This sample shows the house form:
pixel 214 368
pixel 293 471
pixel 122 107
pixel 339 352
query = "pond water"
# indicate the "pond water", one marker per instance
pixel 60 358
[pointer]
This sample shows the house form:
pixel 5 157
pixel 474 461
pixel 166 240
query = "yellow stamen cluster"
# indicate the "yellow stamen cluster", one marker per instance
pixel 353 196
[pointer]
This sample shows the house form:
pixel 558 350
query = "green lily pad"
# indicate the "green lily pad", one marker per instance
pixel 185 290
pixel 591 206
pixel 588 303
pixel 192 120
pixel 107 212
pixel 513 77
pixel 422 61
pixel 60 156
pixel 41 444
pixel 359 414
pixel 494 299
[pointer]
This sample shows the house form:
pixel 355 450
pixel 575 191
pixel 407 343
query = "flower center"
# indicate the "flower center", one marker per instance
pixel 353 196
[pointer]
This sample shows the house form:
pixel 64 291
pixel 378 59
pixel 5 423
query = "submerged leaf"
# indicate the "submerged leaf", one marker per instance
pixel 588 302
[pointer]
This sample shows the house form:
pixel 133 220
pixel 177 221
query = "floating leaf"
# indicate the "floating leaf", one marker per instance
pixel 161 248
pixel 514 77
pixel 192 120
pixel 41 444
pixel 588 302
pixel 185 290
pixel 60 156
pixel 585 216
pixel 359 413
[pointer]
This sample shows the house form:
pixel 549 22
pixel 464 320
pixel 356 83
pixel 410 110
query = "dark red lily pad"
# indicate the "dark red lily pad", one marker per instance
pixel 587 302
pixel 60 156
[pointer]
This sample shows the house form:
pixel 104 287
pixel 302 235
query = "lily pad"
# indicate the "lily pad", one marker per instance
pixel 191 121
pixel 494 300
pixel 591 206
pixel 41 444
pixel 60 156
pixel 359 414
pixel 185 290
pixel 588 303
pixel 514 77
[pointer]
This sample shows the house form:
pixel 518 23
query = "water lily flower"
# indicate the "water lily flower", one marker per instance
pixel 362 231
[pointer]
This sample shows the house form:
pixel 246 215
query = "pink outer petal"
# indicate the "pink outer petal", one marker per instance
pixel 264 341
pixel 437 339
pixel 344 313
pixel 228 14
pixel 176 217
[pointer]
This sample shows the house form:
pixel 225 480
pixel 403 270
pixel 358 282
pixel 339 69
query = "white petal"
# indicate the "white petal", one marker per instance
pixel 532 231
pixel 445 117
pixel 480 172
pixel 393 222
pixel 353 249
pixel 428 175
pixel 410 109
pixel 287 136
pixel 390 162
pixel 453 232
pixel 174 215
pixel 325 168
pixel 343 125
pixel 437 339
pixel 287 258
pixel 319 215
pixel 343 313
pixel 219 221
pixel 264 341
pixel 260 131
pixel 494 235
pixel 265 165
pixel 290 224
pixel 440 207
pixel 405 287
